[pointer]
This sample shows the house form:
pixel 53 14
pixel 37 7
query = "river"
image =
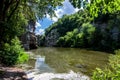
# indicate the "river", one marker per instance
pixel 63 63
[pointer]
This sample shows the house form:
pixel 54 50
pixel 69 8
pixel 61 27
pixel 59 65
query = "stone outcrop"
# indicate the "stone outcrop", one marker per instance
pixel 29 42
pixel 29 39
pixel 51 38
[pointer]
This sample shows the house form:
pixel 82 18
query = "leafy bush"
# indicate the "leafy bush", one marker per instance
pixel 112 72
pixel 80 37
pixel 87 29
pixel 13 53
pixel 105 36
pixel 68 40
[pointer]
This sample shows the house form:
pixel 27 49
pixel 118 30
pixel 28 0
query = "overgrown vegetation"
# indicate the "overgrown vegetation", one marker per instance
pixel 12 53
pixel 14 15
pixel 80 37
pixel 104 21
pixel 112 72
pixel 68 23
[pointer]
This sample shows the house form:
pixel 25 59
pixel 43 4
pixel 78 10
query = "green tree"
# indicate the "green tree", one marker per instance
pixel 69 22
pixel 88 30
pixel 14 15
pixel 79 37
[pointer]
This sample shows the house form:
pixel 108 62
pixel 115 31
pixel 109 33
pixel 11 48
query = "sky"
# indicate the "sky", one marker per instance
pixel 67 9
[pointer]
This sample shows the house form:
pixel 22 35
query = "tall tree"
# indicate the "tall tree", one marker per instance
pixel 15 13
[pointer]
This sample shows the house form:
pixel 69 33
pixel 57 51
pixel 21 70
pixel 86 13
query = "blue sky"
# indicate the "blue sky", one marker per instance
pixel 67 9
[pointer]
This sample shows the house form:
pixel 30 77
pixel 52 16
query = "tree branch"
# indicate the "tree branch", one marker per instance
pixel 12 12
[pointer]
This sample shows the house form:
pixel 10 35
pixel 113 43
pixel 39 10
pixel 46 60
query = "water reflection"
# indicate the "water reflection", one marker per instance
pixel 39 62
pixel 43 72
pixel 62 60
pixel 41 66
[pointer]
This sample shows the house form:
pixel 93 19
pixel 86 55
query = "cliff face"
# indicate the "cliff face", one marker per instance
pixel 29 41
pixel 114 32
pixel 51 38
pixel 110 35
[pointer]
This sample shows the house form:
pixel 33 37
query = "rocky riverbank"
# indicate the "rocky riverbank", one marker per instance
pixel 12 73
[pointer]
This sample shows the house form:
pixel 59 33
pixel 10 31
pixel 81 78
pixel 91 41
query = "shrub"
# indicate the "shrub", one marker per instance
pixel 88 30
pixel 112 72
pixel 12 53
pixel 61 42
pixel 79 37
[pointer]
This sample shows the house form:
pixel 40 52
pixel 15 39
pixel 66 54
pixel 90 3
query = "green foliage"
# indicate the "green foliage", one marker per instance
pixel 106 36
pixel 98 38
pixel 112 72
pixel 81 37
pixel 13 53
pixel 46 7
pixel 87 29
pixel 29 8
pixel 69 22
pixel 40 39
pixel 78 3
pixel 98 7
pixel 14 15
pixel 93 27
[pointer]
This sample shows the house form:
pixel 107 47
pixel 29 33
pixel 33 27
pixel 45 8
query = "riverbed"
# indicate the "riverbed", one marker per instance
pixel 47 63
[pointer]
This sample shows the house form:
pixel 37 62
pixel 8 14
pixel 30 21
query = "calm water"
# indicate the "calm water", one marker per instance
pixel 61 60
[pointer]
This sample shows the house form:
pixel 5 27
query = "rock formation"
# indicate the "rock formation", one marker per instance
pixel 29 39
pixel 51 38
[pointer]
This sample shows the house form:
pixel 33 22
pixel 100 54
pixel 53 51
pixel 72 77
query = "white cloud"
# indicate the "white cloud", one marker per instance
pixel 55 19
pixel 40 32
pixel 76 9
pixel 59 12
pixel 67 8
pixel 37 25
